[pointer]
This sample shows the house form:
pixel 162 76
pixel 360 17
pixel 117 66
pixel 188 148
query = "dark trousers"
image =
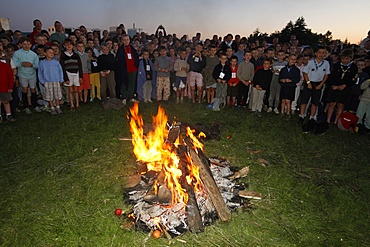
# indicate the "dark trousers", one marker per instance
pixel 242 94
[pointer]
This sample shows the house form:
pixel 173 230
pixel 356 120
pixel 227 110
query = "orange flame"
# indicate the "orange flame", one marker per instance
pixel 159 156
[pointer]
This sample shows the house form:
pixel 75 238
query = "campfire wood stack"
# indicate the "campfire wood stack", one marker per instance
pixel 215 200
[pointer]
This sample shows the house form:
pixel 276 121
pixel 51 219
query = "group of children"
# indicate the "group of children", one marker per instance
pixel 289 82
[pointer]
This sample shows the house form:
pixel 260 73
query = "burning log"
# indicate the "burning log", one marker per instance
pixel 209 183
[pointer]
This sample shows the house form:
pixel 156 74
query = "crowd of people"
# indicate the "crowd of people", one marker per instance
pixel 43 72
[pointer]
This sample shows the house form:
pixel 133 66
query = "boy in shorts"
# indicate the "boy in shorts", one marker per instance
pixel 342 78
pixel 51 76
pixel 211 60
pixel 6 88
pixel 315 75
pixel 84 88
pixel 181 67
pixel 197 62
pixel 289 76
pixel 27 62
pixel 72 71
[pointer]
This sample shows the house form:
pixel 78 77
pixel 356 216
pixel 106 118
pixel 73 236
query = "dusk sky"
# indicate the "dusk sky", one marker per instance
pixel 345 19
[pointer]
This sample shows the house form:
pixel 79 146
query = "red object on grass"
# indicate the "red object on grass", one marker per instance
pixel 118 212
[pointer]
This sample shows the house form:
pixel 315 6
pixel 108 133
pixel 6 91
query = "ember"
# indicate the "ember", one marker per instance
pixel 178 188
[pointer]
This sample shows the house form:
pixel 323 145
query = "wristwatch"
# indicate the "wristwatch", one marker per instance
pixel 308 82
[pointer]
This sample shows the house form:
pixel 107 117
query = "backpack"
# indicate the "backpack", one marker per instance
pixel 347 122
pixel 217 103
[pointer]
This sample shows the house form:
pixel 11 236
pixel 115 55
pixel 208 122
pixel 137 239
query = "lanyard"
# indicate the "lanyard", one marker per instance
pixel 316 65
pixel 344 71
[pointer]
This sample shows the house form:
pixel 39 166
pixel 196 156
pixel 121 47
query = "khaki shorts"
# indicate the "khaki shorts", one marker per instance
pixel 195 78
pixel 74 79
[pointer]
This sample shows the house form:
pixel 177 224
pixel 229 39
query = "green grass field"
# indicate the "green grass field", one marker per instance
pixel 61 179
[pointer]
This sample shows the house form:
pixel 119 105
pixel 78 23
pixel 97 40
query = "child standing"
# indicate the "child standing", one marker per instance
pixel 27 62
pixel 51 76
pixel 211 61
pixel 232 84
pixel 299 86
pixel 222 74
pixel 342 78
pixel 315 75
pixel 106 64
pixel 356 89
pixel 288 78
pixel 181 67
pixel 245 74
pixel 261 83
pixel 83 89
pixel 145 77
pixel 275 86
pixel 94 75
pixel 6 88
pixel 72 70
pixel 163 67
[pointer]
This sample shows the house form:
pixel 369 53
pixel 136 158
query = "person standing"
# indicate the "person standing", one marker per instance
pixel 59 34
pixel 127 64
pixel 37 28
pixel 27 62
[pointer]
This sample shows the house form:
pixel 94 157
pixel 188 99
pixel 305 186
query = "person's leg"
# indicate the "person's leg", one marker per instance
pixel 288 105
pixel 282 106
pixel 340 108
pixel 254 99
pixel 103 88
pixel 273 86
pixel 111 83
pixel 330 111
pixel 166 88
pixel 70 94
pixel 200 94
pixel 159 88
pixel 277 96
pixel 367 112
pixel 75 92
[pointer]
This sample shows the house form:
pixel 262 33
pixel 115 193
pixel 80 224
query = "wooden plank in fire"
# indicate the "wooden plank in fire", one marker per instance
pixel 209 183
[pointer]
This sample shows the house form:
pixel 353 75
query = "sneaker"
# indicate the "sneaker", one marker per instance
pixel 269 110
pixel 134 100
pixel 150 101
pixel 37 109
pixel 9 119
pixel 28 111
pixel 53 112
pixel 59 111
pixel 276 110
pixel 124 101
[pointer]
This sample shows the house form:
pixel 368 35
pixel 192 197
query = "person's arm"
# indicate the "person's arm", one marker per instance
pixel 40 73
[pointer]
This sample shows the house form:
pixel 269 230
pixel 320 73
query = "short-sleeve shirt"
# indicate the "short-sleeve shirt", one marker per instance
pixel 316 71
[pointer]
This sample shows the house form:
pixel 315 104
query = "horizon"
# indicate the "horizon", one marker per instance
pixel 207 17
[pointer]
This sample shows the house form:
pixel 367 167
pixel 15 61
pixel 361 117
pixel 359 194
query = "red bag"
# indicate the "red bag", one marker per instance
pixel 347 122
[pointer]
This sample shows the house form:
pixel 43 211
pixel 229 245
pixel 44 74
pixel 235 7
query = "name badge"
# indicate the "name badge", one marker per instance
pixel 196 59
pixel 95 64
pixel 233 75
pixel 129 56
pixel 222 75
pixel 147 67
